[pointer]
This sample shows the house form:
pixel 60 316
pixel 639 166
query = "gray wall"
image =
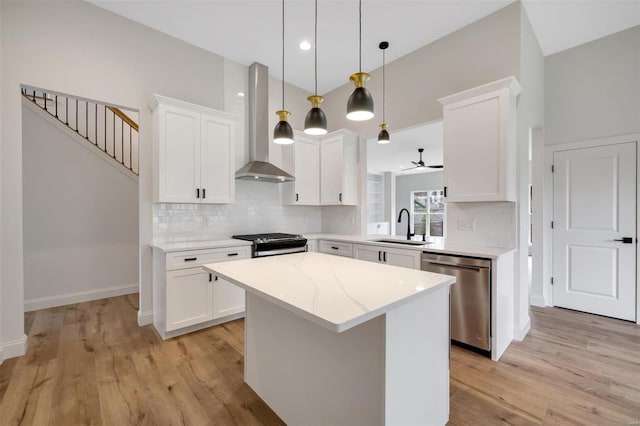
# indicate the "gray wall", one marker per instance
pixel 415 182
pixel 80 216
pixel 481 52
pixel 593 90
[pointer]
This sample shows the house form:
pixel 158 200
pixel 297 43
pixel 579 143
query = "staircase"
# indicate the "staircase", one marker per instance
pixel 112 130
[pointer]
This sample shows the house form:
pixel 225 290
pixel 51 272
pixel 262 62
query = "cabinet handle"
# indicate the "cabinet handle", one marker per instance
pixel 340 196
pixel 216 278
pixel 232 254
pixel 297 197
pixel 379 256
pixel 335 248
pixel 197 192
pixel 210 278
pixel 191 259
pixel 384 256
pixel 204 193
pixel 445 192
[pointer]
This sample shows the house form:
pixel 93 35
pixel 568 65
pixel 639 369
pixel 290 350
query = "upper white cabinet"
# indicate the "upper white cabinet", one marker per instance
pixel 339 168
pixel 302 159
pixel 193 149
pixel 480 142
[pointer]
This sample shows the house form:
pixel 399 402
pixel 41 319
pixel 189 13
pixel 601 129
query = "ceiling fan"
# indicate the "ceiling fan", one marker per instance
pixel 420 164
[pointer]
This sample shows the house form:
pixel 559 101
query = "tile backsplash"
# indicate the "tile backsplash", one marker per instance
pixel 486 224
pixel 258 208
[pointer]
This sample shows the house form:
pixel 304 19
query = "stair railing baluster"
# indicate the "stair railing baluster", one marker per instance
pixel 66 108
pixel 114 136
pixel 44 97
pixel 56 106
pixel 130 149
pixel 34 96
pixel 95 124
pixel 105 128
pixel 122 141
pixel 77 115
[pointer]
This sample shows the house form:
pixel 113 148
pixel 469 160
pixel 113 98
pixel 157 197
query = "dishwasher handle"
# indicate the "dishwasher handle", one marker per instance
pixel 455 265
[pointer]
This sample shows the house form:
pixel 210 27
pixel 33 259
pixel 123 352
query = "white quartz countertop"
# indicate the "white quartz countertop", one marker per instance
pixel 199 245
pixel 335 292
pixel 438 245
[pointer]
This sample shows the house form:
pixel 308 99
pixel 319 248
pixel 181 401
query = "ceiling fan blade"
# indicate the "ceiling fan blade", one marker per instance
pixel 436 166
pixel 410 168
pixel 413 162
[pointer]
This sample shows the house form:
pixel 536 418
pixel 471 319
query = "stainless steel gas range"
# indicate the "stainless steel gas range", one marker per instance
pixel 274 244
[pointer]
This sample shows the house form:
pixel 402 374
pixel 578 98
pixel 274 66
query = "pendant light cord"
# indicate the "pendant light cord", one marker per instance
pixel 315 46
pixel 360 35
pixel 283 55
pixel 383 83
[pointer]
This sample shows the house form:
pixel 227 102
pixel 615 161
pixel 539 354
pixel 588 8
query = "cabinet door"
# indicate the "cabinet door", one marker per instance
pixel 217 171
pixel 331 170
pixel 179 152
pixel 189 298
pixel 228 299
pixel 307 172
pixel 405 258
pixel 368 253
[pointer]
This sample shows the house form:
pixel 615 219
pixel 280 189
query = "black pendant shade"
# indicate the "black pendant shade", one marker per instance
pixel 383 136
pixel 283 133
pixel 315 123
pixel 360 105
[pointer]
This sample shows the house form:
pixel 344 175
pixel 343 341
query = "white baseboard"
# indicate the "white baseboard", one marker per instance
pixel 145 318
pixel 13 348
pixel 537 300
pixel 520 333
pixel 79 297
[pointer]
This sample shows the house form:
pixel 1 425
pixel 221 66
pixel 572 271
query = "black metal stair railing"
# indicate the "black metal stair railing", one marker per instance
pixel 107 127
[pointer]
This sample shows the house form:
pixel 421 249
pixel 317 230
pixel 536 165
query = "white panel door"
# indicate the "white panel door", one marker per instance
pixel 405 258
pixel 217 173
pixel 179 169
pixel 368 253
pixel 307 172
pixel 228 299
pixel 594 206
pixel 189 298
pixel 331 170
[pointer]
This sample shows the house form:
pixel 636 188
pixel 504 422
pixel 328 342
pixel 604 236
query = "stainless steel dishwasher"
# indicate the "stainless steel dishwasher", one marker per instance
pixel 470 296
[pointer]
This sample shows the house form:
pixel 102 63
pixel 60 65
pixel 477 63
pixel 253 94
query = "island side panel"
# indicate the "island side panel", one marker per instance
pixel 502 318
pixel 310 375
pixel 417 361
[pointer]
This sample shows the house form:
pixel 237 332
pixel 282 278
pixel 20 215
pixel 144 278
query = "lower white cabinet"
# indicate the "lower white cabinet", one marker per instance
pixel 186 297
pixel 390 256
pixel 338 248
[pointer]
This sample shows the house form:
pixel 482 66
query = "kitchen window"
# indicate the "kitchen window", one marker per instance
pixel 427 212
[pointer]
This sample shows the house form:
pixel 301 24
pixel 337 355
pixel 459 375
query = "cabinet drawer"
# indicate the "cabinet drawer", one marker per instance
pixel 337 248
pixel 189 259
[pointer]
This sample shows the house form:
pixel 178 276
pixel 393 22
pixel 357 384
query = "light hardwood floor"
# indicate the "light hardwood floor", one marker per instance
pixel 91 364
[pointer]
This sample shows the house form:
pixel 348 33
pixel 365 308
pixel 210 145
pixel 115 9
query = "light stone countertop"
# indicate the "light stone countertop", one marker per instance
pixel 438 245
pixel 199 245
pixel 334 292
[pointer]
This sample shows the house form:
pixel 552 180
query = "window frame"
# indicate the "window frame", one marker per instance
pixel 428 214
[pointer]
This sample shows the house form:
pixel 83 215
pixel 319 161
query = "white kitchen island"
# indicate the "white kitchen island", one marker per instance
pixel 337 341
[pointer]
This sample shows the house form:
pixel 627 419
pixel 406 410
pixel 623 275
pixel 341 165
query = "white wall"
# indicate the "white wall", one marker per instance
pixel 593 90
pixel 405 184
pixel 80 217
pixel 99 55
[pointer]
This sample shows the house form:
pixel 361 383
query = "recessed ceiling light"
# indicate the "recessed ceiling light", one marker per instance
pixel 305 45
pixel 241 94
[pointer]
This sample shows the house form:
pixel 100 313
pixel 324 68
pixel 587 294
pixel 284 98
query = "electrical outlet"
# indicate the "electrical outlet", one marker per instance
pixel 468 225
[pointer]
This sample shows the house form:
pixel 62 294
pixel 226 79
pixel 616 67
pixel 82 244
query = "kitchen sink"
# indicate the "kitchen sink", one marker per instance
pixel 405 242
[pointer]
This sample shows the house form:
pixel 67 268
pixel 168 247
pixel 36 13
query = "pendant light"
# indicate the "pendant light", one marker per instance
pixel 360 103
pixel 383 136
pixel 283 133
pixel 315 123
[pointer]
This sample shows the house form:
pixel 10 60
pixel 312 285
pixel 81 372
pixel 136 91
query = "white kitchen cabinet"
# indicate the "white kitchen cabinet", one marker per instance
pixel 193 149
pixel 339 168
pixel 480 143
pixel 390 256
pixel 186 297
pixel 302 160
pixel 190 294
pixel 312 245
pixel 335 247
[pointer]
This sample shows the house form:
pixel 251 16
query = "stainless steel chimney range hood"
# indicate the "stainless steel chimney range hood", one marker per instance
pixel 259 168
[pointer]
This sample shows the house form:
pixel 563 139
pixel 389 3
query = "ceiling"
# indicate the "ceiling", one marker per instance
pixel 403 149
pixel 250 30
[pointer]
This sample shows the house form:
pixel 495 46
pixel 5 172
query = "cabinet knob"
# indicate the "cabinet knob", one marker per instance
pixel 297 197
pixel 340 196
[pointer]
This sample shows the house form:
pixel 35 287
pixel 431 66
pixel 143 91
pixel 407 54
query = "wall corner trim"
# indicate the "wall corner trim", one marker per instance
pixel 145 318
pixel 13 348
pixel 519 333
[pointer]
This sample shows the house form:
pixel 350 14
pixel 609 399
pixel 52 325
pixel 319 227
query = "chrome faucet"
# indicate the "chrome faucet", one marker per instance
pixel 409 234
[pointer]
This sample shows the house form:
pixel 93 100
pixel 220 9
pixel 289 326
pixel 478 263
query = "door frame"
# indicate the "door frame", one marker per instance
pixel 547 214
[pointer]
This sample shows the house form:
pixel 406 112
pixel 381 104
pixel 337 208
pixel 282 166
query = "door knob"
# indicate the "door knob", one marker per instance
pixel 626 240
